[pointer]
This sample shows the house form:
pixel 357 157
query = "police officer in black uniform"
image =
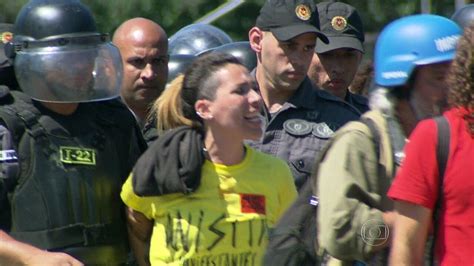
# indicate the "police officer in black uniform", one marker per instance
pixel 68 143
pixel 335 64
pixel 299 118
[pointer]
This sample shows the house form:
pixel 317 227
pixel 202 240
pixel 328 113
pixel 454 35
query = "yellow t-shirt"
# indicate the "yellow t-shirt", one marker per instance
pixel 226 220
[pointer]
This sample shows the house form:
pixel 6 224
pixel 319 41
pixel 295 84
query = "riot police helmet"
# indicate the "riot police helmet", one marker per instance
pixel 61 57
pixel 177 64
pixel 464 16
pixel 241 50
pixel 196 38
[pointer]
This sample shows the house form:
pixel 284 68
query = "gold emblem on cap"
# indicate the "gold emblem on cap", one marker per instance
pixel 339 23
pixel 7 36
pixel 303 12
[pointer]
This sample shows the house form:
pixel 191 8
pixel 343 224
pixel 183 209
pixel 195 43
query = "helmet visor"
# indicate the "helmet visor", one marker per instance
pixel 70 73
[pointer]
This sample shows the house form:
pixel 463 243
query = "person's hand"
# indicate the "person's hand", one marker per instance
pixel 389 218
pixel 43 258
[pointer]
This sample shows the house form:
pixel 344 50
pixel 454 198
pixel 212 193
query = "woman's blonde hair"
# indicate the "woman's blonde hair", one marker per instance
pixel 167 108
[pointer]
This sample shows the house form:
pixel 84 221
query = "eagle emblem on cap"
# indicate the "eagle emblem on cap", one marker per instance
pixel 339 23
pixel 7 36
pixel 303 12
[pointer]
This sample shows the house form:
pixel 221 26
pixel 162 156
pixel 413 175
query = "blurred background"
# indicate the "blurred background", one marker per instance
pixel 172 15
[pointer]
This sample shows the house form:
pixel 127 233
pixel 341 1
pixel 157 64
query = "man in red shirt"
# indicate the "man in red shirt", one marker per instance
pixel 415 188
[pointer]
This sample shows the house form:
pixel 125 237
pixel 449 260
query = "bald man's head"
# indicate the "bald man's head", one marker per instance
pixel 143 45
pixel 135 29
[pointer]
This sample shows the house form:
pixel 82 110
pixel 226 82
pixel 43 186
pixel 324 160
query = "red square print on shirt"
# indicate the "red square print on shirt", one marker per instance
pixel 252 203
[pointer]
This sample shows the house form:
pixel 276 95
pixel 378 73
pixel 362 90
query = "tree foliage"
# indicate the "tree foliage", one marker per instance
pixel 172 15
pixel 175 14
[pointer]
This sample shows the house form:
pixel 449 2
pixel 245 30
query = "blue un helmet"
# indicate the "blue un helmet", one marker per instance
pixel 413 41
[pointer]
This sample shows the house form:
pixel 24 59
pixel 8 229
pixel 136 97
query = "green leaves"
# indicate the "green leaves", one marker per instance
pixel 175 14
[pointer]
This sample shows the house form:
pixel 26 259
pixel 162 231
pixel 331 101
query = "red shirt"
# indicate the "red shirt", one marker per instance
pixel 417 182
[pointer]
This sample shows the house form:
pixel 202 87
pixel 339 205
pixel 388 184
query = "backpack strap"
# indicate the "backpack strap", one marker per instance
pixel 12 115
pixel 10 119
pixel 442 149
pixel 442 154
pixel 375 134
pixel 19 116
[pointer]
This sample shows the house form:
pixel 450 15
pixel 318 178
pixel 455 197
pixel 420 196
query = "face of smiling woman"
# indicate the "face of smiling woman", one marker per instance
pixel 235 107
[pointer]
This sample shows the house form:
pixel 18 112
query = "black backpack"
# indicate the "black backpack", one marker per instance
pixel 293 241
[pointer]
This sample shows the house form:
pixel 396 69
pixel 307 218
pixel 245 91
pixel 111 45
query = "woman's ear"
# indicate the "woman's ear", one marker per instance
pixel 203 109
pixel 255 39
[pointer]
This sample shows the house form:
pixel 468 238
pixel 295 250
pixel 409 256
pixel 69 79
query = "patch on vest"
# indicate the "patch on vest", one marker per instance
pixel 297 127
pixel 314 201
pixel 8 156
pixel 322 130
pixel 76 155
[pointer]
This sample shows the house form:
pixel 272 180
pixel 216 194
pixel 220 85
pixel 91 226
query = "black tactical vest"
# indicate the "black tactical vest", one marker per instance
pixel 66 196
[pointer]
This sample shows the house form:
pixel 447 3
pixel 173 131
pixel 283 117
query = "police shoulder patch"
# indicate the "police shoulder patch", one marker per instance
pixel 322 130
pixel 297 127
pixel 77 155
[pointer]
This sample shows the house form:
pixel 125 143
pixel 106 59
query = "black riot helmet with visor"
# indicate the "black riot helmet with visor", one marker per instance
pixel 196 38
pixel 60 56
pixel 241 50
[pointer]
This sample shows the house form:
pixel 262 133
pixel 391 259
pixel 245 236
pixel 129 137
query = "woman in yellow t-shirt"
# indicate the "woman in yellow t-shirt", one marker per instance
pixel 198 195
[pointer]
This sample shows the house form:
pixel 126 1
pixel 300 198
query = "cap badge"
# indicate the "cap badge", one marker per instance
pixel 7 36
pixel 339 23
pixel 303 12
